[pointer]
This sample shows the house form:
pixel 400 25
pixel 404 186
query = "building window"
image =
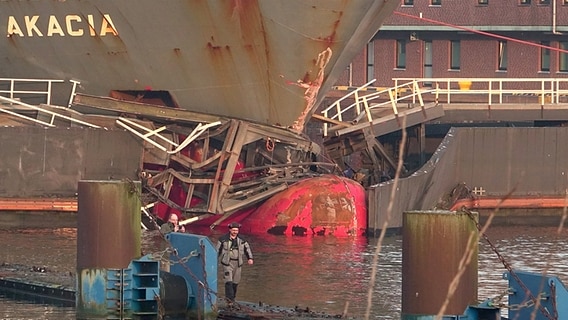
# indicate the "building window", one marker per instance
pixel 502 59
pixel 436 2
pixel 544 2
pixel 400 54
pixel 411 2
pixel 563 56
pixel 545 56
pixel 484 2
pixel 525 2
pixel 370 61
pixel 455 55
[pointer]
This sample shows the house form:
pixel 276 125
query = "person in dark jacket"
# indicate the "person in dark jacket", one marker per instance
pixel 233 251
pixel 174 220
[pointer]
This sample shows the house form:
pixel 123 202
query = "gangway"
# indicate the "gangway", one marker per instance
pixel 498 99
pixel 355 121
pixel 490 100
pixel 381 110
pixel 16 96
pixel 354 127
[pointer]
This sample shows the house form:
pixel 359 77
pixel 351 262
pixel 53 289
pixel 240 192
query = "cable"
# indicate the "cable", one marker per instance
pixel 479 32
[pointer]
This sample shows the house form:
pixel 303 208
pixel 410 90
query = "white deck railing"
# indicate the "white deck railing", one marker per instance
pixel 494 90
pixel 16 92
pixel 382 98
pixel 413 90
pixel 16 88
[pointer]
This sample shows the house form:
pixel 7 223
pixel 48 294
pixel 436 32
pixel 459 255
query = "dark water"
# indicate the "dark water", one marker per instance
pixel 324 273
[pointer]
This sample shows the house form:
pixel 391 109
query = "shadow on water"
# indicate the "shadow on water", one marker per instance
pixel 326 274
pixel 35 300
pixel 25 306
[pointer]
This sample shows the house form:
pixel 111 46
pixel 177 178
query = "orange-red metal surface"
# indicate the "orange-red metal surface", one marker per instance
pixel 511 203
pixel 321 206
pixel 38 204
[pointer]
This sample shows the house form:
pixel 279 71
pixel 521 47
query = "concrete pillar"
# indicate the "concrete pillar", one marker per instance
pixel 434 242
pixel 108 238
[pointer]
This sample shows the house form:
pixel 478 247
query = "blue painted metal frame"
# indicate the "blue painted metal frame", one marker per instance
pixel 552 292
pixel 92 292
pixel 143 296
pixel 199 269
pixel 135 291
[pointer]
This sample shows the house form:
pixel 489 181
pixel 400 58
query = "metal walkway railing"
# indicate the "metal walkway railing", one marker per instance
pixel 493 90
pixel 362 102
pixel 489 91
pixel 15 88
pixel 16 92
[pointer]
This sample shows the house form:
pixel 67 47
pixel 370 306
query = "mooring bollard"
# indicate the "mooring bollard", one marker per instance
pixel 108 239
pixel 433 245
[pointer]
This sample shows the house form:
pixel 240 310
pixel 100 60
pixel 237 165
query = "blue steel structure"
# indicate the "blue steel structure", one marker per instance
pixel 525 288
pixel 549 290
pixel 199 272
pixel 145 291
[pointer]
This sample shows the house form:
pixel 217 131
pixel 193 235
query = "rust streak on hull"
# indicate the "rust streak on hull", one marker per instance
pixel 228 58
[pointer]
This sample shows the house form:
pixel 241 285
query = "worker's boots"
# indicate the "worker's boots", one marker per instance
pixel 235 285
pixel 230 292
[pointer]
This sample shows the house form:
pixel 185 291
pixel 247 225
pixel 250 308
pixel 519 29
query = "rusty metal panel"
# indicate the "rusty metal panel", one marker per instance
pixel 108 224
pixel 433 245
pixel 39 162
pixel 259 60
pixel 421 191
pixel 518 162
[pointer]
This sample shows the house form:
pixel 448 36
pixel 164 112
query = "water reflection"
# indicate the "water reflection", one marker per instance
pixel 20 251
pixel 324 273
pixel 538 250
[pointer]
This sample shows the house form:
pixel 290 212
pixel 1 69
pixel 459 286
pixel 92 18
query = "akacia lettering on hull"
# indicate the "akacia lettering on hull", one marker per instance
pixel 72 25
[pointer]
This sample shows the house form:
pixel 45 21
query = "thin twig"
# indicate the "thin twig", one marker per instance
pixel 387 220
pixel 468 254
pixel 558 233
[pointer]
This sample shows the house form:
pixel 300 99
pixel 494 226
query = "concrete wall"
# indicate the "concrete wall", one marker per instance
pixel 522 162
pixel 49 162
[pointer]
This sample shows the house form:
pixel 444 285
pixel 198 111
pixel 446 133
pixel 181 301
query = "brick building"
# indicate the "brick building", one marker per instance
pixel 466 39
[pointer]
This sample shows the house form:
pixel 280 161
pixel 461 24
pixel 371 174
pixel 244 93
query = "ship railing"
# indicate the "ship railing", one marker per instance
pixel 413 91
pixel 52 114
pixel 364 103
pixel 15 88
pixel 148 134
pixel 493 91
pixel 13 94
pixel 335 110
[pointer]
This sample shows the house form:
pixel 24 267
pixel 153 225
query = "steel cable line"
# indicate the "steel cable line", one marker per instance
pixel 489 34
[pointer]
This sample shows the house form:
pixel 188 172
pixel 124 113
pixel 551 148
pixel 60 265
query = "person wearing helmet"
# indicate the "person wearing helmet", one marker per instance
pixel 233 251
